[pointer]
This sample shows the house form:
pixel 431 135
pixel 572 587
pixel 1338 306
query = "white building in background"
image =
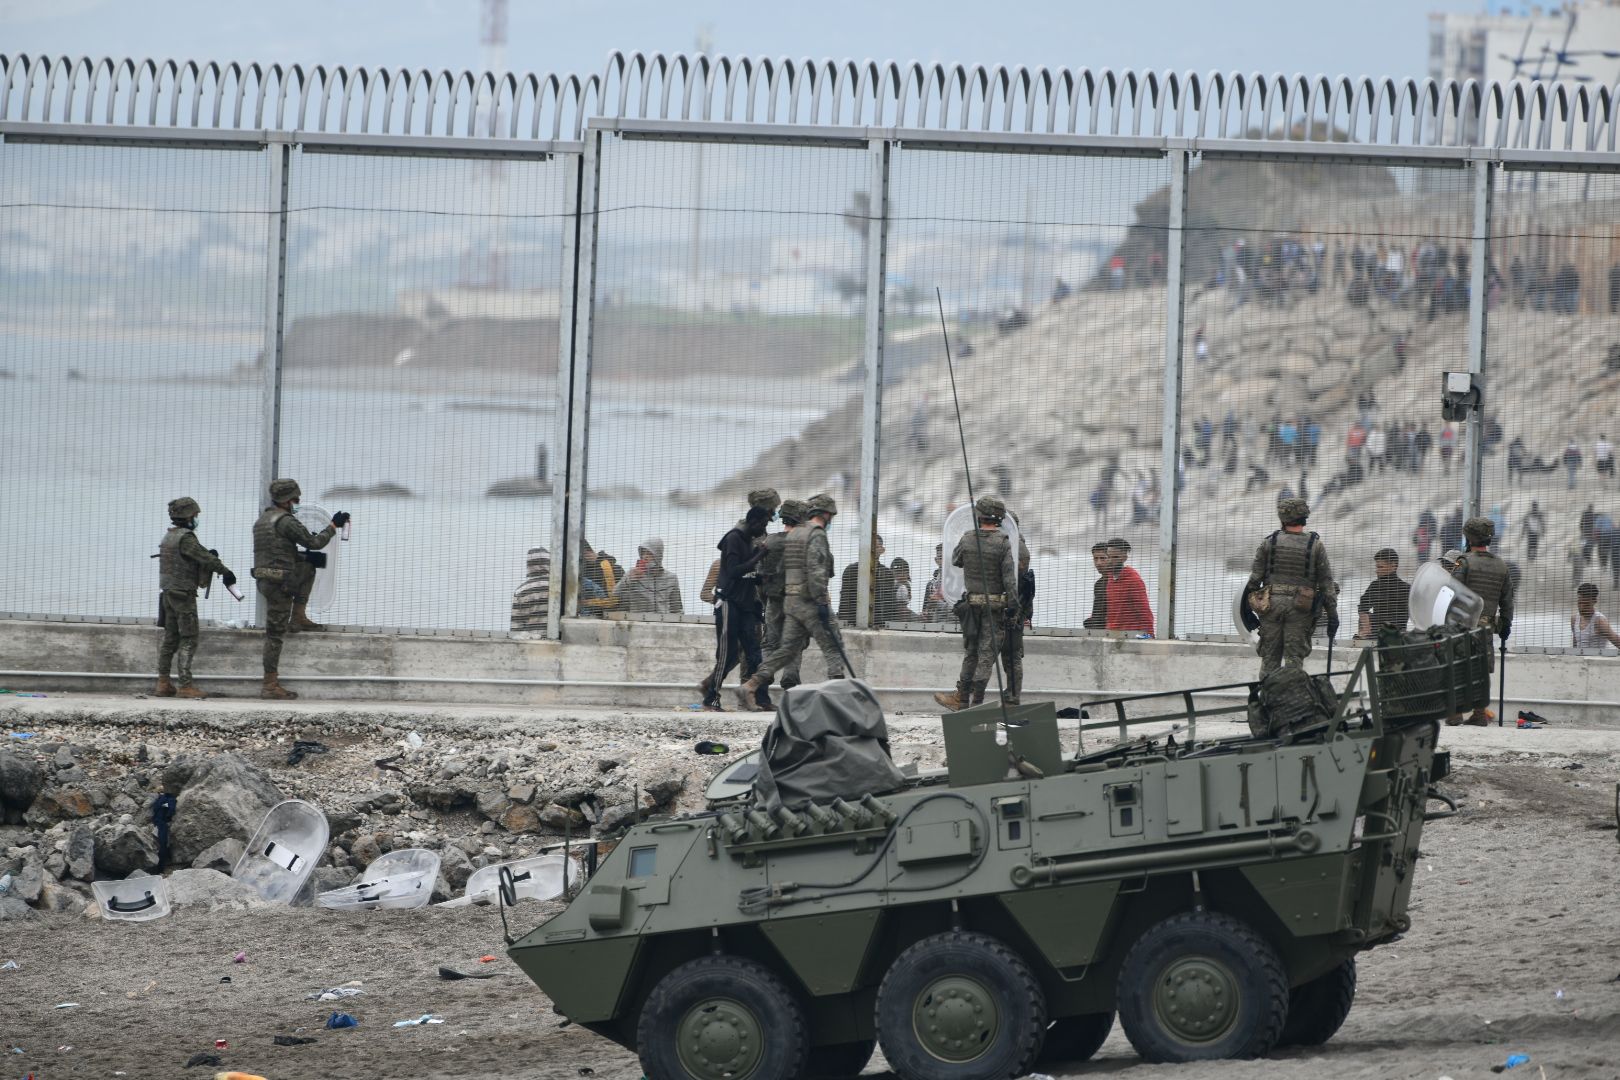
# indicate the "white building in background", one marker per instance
pixel 1575 42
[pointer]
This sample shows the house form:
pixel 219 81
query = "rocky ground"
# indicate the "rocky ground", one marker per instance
pixel 1513 947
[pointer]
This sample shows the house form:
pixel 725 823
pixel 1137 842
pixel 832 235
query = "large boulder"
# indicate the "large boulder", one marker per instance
pixel 81 853
pixel 13 908
pixel 123 847
pixel 226 797
pixel 207 887
pixel 59 804
pixel 221 856
pixel 21 779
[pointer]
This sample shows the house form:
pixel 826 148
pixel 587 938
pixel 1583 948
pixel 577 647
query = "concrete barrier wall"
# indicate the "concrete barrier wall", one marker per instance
pixel 652 663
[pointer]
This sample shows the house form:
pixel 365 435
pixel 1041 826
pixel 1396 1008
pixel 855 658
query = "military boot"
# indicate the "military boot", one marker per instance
pixel 164 687
pixel 301 620
pixel 978 694
pixel 273 688
pixel 189 691
pixel 1480 718
pixel 956 699
pixel 746 692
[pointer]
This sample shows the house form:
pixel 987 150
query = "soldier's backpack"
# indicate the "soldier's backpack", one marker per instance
pixel 1289 700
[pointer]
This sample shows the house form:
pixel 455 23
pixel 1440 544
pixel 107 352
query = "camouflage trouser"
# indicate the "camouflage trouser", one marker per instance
pixel 982 631
pixel 1012 661
pixel 1285 636
pixel 800 624
pixel 301 582
pixel 774 617
pixel 179 632
pixel 278 606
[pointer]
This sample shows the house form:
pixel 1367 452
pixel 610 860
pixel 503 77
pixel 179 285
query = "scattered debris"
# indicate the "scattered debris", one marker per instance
pixel 425 1018
pixel 341 1020
pixel 292 1040
pixel 452 975
pixel 1513 1061
pixel 10 965
pixel 68 1005
pixel 707 747
pixel 203 1059
pixel 336 993
pixel 302 748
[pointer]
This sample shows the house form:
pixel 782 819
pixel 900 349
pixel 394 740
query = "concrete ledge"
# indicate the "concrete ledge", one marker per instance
pixel 628 663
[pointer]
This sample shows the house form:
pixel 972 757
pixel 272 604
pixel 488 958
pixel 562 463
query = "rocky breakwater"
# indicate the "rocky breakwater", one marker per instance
pixel 84 805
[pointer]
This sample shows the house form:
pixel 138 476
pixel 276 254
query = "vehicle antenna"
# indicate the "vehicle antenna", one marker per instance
pixel 967 470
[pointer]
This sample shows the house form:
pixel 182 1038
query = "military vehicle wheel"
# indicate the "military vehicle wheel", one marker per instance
pixel 721 1018
pixel 1317 1009
pixel 839 1061
pixel 960 1006
pixel 1076 1038
pixel 1202 986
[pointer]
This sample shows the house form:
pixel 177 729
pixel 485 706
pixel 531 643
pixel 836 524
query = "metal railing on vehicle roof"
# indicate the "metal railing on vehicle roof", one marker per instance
pixel 343 99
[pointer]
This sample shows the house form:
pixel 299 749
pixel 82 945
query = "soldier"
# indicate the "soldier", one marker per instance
pixel 807 566
pixel 1289 582
pixel 285 575
pixel 774 584
pixel 989 600
pixel 184 566
pixel 1486 573
pixel 1012 646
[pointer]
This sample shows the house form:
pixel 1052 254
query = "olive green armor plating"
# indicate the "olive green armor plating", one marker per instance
pixel 996 914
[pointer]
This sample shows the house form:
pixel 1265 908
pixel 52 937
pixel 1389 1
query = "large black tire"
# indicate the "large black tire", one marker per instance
pixel 960 1006
pixel 1317 1009
pixel 1200 987
pixel 839 1061
pixel 1075 1038
pixel 721 1018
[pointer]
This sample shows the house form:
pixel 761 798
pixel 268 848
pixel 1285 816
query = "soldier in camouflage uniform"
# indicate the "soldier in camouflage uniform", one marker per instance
pixel 184 566
pixel 990 599
pixel 1012 645
pixel 773 582
pixel 807 566
pixel 1485 573
pixel 282 571
pixel 1290 582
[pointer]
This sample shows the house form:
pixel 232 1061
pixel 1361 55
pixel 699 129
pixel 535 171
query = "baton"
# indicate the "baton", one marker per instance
pixel 824 612
pixel 1501 686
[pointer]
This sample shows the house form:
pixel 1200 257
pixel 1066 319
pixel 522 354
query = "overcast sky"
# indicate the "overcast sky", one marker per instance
pixel 1368 37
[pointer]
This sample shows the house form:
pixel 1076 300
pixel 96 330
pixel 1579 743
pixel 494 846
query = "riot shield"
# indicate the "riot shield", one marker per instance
pixel 1438 599
pixel 314 518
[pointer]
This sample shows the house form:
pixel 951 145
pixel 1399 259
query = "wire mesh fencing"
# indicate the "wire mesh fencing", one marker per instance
pixel 419 386
pixel 132 311
pixel 1551 420
pixel 1053 286
pixel 725 358
pixel 1323 301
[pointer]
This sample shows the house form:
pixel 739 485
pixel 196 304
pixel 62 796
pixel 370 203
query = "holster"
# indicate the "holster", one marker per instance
pixel 1260 600
pixel 163 618
pixel 1304 597
pixel 317 559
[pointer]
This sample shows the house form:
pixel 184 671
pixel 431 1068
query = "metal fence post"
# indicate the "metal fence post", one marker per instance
pixel 877 238
pixel 1169 484
pixel 579 391
pixel 278 146
pixel 1473 435
pixel 562 415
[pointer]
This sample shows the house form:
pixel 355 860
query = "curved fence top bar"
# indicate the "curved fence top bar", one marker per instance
pixel 761 90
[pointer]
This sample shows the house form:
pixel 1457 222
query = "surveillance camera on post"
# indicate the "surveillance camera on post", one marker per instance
pixel 1460 393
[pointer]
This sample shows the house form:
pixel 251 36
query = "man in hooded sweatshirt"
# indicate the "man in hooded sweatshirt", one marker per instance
pixel 648 587
pixel 738 612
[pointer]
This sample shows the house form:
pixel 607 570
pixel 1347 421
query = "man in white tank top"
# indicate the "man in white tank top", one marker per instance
pixel 1589 628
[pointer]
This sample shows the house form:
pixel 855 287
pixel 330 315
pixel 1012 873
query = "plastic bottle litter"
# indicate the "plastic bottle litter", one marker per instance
pixel 341 1020
pixel 68 1005
pixel 9 965
pixel 1558 995
pixel 237 1076
pixel 5 885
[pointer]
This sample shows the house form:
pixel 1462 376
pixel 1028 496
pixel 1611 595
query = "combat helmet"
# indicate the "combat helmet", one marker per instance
pixel 284 489
pixel 766 497
pixel 821 504
pixel 989 508
pixel 1479 530
pixel 794 511
pixel 1293 511
pixel 183 509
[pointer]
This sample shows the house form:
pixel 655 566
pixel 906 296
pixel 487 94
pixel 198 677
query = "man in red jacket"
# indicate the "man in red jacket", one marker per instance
pixel 1127 593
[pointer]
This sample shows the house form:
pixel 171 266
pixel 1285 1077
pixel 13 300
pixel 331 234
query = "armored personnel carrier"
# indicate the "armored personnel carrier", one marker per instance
pixel 987 918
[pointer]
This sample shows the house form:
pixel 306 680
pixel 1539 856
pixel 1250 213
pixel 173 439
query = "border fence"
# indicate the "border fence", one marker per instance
pixel 541 335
